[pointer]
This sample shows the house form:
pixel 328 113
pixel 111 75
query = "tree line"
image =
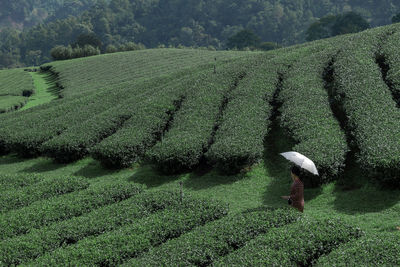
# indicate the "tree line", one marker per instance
pixel 191 23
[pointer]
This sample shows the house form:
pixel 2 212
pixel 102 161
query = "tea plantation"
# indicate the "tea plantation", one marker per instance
pixel 170 157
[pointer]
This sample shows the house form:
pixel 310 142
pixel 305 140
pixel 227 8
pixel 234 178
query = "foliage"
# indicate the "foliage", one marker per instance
pixel 349 23
pixel 321 28
pixel 300 243
pixel 331 25
pixel 189 23
pixel 10 103
pixel 266 46
pixel 376 249
pixel 23 248
pixel 44 212
pixel 193 126
pixel 206 244
pixel 239 140
pixel 389 59
pixel 62 52
pixel 16 181
pixel 242 39
pixel 131 240
pixel 20 197
pixel 15 88
pixel 375 130
pixel 307 115
pixel 396 18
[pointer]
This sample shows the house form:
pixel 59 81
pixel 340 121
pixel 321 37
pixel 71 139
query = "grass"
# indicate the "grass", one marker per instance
pixel 353 198
pixel 42 93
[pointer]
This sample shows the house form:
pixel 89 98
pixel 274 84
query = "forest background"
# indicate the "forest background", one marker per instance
pixel 30 29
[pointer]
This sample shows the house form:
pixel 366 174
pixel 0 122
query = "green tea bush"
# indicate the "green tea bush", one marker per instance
pixel 192 128
pixel 239 140
pixel 20 197
pixel 45 212
pixel 129 241
pixel 297 244
pixel 106 72
pixel 10 103
pixel 307 116
pixel 204 245
pixel 373 118
pixel 150 119
pixel 390 56
pixel 15 181
pixel 15 88
pixel 149 100
pixel 20 249
pixel 27 135
pixel 15 82
pixel 380 249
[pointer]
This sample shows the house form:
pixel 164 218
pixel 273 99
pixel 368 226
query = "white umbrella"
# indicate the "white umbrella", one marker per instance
pixel 301 161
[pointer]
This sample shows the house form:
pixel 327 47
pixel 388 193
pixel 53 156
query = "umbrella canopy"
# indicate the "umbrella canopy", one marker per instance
pixel 302 161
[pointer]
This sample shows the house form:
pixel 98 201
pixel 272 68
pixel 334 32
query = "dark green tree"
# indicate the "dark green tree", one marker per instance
pixel 242 39
pixel 88 39
pixel 396 19
pixel 350 22
pixel 265 46
pixel 321 28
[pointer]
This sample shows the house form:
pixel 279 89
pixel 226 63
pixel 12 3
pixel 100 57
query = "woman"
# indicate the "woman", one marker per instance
pixel 296 198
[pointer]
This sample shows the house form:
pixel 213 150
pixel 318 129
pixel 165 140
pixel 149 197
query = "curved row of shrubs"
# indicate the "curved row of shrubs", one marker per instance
pixel 16 181
pixel 378 249
pixel 297 244
pixel 239 140
pixel 206 244
pixel 76 141
pixel 191 131
pixel 391 57
pixel 44 212
pixel 20 197
pixel 21 249
pixel 114 247
pixel 373 117
pixel 307 116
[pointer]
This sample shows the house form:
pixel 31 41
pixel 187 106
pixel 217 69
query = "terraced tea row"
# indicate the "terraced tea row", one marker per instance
pixel 108 71
pixel 300 243
pixel 15 88
pixel 44 212
pixel 373 117
pixel 307 116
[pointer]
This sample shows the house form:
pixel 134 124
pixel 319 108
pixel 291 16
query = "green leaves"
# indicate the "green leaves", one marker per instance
pixel 208 243
pixel 299 243
pixel 374 249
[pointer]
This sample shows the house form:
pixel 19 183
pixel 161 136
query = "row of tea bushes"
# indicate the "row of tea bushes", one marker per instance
pixel 114 247
pixel 76 141
pixel 44 212
pixel 16 82
pixel 297 244
pixel 20 249
pixel 378 249
pixel 17 181
pixel 193 126
pixel 20 197
pixel 307 116
pixel 239 140
pixel 390 55
pixel 206 244
pixel 373 118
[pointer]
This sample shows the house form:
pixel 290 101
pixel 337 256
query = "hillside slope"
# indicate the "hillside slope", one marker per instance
pixel 186 115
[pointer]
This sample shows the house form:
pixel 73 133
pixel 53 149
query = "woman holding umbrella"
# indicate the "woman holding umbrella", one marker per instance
pixel 296 198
